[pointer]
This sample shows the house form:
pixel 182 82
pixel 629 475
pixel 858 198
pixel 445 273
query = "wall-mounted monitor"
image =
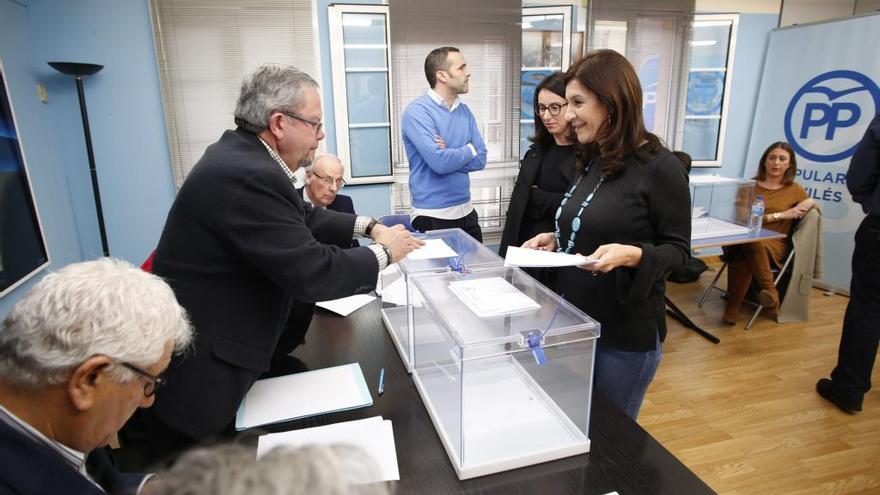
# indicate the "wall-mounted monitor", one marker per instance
pixel 23 250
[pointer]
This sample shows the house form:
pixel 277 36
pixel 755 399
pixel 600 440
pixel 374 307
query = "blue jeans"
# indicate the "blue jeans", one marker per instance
pixel 623 376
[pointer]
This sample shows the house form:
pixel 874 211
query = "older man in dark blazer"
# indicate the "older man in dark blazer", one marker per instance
pixel 324 179
pixel 241 249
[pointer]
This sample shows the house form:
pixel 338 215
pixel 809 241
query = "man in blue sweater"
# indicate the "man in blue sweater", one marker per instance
pixel 443 144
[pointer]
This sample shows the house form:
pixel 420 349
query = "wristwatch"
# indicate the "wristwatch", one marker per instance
pixel 776 216
pixel 369 228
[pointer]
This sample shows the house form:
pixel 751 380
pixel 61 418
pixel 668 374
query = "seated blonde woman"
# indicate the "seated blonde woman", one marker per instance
pixel 784 202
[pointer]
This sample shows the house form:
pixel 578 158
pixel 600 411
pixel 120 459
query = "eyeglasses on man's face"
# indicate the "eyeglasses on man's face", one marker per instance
pixel 328 181
pixel 553 108
pixel 317 126
pixel 151 383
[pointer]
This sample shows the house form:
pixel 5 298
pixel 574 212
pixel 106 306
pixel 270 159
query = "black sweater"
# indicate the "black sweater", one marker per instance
pixel 646 205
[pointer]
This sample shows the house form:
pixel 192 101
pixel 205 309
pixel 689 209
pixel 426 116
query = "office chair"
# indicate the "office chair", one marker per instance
pixel 391 220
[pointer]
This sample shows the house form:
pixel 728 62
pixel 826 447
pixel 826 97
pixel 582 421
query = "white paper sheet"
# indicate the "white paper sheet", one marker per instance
pixel 386 274
pixel 517 256
pixel 396 294
pixel 346 305
pixel 374 436
pixel 492 296
pixel 302 395
pixel 707 227
pixel 710 179
pixel 433 248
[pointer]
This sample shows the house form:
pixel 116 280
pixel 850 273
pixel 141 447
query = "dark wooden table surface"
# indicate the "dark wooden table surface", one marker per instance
pixel 623 457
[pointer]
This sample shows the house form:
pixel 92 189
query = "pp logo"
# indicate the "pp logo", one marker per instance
pixel 821 121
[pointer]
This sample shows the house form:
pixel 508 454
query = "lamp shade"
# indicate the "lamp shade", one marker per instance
pixel 75 68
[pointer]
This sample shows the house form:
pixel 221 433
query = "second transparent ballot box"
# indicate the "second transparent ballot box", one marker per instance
pixel 445 250
pixel 504 367
pixel 720 205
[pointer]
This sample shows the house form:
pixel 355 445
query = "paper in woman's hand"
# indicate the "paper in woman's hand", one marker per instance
pixel 533 258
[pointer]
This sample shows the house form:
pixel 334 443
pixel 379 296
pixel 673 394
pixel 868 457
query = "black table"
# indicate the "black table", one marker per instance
pixel 623 456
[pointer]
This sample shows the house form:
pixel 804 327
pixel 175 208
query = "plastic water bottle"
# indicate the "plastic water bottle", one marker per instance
pixel 756 218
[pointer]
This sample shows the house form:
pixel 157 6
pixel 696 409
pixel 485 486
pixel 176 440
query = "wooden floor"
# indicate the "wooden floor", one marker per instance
pixel 744 414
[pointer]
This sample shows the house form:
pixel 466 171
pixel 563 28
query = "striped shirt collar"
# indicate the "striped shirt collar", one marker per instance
pixel 279 161
pixel 73 457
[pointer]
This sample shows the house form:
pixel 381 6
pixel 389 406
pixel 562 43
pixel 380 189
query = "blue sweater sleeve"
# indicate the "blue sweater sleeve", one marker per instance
pixel 419 128
pixel 477 162
pixel 863 176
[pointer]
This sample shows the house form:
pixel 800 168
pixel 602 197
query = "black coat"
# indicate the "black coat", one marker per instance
pixel 546 201
pixel 27 467
pixel 239 248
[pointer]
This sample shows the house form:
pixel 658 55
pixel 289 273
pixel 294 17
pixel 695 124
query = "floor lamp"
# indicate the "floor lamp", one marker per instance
pixel 80 71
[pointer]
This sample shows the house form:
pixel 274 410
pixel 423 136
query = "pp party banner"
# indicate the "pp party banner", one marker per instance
pixel 819 91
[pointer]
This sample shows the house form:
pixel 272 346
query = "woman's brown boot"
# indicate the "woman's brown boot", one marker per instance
pixel 769 299
pixel 738 279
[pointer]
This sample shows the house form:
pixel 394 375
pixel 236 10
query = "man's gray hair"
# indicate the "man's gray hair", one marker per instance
pixel 233 470
pixel 326 156
pixel 270 88
pixel 104 307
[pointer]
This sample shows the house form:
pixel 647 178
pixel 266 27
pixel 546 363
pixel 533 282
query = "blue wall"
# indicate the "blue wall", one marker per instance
pixel 38 135
pixel 751 48
pixel 125 114
pixel 126 120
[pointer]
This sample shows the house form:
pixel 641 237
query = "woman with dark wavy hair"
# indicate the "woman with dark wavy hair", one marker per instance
pixel 545 173
pixel 629 208
pixel 784 201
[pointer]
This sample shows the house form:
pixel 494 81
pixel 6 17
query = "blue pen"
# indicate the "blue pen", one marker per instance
pixel 381 381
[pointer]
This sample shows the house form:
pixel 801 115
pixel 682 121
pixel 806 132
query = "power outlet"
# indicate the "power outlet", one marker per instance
pixel 42 94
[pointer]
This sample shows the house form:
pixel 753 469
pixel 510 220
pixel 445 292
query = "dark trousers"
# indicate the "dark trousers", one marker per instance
pixel 468 223
pixel 861 325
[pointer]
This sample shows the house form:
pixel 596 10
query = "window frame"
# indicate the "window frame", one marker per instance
pixel 566 12
pixel 718 161
pixel 339 72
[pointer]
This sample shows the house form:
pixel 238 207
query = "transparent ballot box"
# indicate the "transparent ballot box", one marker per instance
pixel 444 251
pixel 720 205
pixel 504 367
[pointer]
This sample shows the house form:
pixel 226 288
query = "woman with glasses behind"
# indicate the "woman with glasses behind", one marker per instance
pixel 546 171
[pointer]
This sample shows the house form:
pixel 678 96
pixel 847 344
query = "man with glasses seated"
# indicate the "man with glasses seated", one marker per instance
pixel 324 179
pixel 79 353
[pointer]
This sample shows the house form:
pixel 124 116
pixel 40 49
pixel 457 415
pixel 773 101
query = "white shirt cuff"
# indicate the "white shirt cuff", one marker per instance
pixel 360 225
pixel 381 256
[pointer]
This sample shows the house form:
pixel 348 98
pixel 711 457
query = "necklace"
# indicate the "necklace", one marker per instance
pixel 576 221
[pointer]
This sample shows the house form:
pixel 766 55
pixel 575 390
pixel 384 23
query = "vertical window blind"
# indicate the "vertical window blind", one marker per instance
pixel 653 36
pixel 205 47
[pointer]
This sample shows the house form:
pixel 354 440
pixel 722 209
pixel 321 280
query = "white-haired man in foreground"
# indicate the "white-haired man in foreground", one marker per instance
pixel 79 353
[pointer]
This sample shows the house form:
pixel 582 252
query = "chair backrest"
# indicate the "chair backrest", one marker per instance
pixel 398 219
pixel 147 266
